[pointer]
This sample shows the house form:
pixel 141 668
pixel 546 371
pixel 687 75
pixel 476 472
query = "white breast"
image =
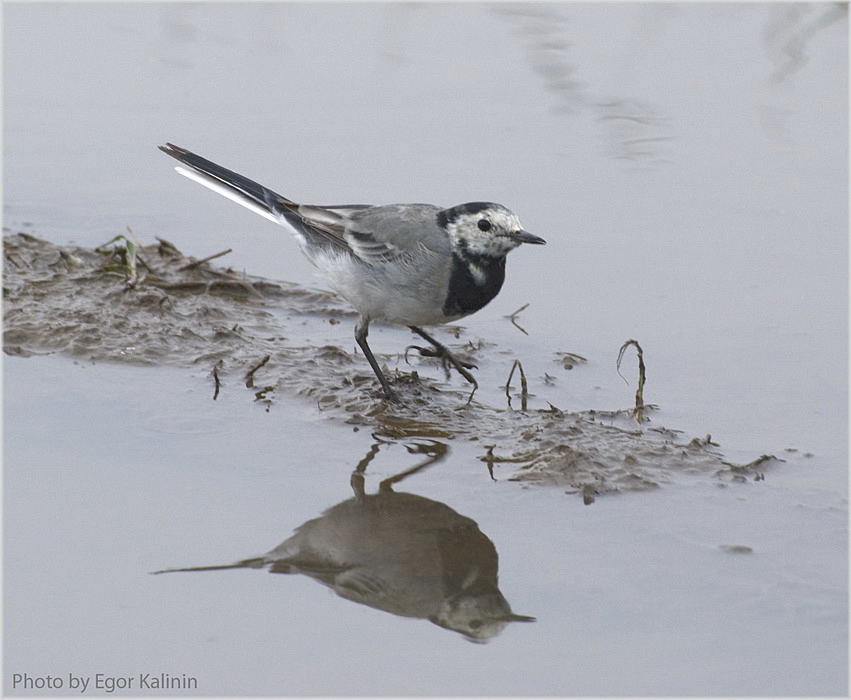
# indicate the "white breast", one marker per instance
pixel 409 291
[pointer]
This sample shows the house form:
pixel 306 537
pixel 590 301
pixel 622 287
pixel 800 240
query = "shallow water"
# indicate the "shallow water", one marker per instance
pixel 688 168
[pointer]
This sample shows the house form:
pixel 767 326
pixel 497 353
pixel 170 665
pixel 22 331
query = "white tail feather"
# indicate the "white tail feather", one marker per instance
pixel 225 191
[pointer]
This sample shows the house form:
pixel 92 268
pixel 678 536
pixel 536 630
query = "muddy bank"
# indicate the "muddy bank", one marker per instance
pixel 152 304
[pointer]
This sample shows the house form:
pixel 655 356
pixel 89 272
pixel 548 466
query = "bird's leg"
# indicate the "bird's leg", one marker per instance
pixel 361 331
pixel 443 353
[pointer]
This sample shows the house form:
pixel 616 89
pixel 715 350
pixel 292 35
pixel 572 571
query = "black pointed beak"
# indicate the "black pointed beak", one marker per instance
pixel 522 236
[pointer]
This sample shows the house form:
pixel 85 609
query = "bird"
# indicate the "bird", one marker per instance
pixel 407 264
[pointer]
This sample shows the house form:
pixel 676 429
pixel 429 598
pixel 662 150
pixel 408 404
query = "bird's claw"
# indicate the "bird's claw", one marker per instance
pixel 448 361
pixel 423 351
pixel 443 355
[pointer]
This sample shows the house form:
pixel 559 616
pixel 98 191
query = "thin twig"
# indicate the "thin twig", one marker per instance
pixel 249 376
pixel 138 247
pixel 216 379
pixel 196 263
pixel 639 392
pixel 570 359
pixel 524 393
pixel 490 459
pixel 102 246
pixel 513 319
pixel 135 237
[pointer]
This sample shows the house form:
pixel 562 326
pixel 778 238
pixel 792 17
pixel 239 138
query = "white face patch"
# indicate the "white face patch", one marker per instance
pixel 485 233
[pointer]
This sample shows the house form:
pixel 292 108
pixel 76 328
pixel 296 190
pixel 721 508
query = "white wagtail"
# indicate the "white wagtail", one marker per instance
pixel 411 264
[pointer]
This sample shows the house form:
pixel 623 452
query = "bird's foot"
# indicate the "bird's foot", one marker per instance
pixel 391 396
pixel 448 360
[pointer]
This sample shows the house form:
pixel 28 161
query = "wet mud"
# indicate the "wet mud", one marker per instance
pixel 153 305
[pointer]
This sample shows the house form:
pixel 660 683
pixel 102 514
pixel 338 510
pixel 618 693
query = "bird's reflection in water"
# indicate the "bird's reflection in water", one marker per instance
pixel 398 552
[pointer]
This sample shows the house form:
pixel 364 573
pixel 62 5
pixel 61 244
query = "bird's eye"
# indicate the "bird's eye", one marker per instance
pixel 484 225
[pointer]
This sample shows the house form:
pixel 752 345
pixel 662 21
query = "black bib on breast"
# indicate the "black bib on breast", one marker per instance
pixel 465 294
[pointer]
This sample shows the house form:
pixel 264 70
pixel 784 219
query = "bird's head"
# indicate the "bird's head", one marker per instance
pixel 484 229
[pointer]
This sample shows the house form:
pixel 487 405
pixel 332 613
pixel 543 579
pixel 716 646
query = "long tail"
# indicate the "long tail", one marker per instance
pixel 234 186
pixel 317 223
